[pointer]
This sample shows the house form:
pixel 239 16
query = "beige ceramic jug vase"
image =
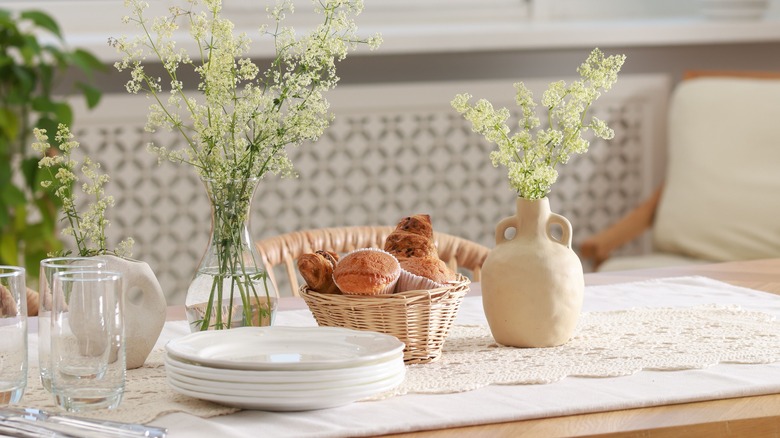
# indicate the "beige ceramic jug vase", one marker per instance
pixel 532 284
pixel 144 309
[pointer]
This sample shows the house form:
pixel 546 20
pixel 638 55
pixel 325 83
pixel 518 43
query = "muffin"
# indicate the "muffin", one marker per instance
pixel 432 268
pixel 367 272
pixel 408 281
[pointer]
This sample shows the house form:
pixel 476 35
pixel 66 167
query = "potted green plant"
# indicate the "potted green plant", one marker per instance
pixel 33 94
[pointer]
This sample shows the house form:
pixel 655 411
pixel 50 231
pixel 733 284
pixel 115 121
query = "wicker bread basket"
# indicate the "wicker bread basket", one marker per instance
pixel 421 319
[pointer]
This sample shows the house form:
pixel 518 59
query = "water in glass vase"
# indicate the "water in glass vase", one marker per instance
pixel 203 301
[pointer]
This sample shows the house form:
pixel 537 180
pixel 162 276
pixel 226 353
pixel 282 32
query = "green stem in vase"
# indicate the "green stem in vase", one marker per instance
pixel 231 263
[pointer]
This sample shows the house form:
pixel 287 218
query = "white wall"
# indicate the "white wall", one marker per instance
pixel 396 101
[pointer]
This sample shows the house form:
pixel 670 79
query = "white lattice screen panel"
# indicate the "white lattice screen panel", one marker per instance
pixel 393 150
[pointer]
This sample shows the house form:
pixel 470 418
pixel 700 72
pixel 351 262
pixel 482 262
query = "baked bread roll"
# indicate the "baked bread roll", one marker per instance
pixel 419 224
pixel 432 268
pixel 7 303
pixel 412 237
pixel 404 244
pixel 412 244
pixel 33 302
pixel 317 270
pixel 367 272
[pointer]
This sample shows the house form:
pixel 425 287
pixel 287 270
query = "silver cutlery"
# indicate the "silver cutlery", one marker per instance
pixel 17 430
pixel 33 420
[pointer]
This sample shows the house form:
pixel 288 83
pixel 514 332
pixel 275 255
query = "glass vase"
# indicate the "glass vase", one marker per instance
pixel 231 287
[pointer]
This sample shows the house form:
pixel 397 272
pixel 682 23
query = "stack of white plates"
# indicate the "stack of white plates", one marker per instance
pixel 284 368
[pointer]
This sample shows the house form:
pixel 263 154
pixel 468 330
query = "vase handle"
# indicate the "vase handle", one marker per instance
pixel 556 219
pixel 503 225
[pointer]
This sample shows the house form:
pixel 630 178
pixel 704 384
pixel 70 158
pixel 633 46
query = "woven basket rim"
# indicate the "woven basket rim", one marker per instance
pixel 461 283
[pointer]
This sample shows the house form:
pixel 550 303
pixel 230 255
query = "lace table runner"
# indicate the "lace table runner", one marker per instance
pixel 607 344
pixel 147 396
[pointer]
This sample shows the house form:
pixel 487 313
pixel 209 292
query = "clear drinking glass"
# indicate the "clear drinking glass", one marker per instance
pixel 49 267
pixel 87 340
pixel 13 334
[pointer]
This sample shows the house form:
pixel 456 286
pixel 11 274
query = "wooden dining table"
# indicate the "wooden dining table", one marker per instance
pixel 756 416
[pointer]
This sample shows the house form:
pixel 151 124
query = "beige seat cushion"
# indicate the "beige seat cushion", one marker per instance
pixel 646 261
pixel 721 200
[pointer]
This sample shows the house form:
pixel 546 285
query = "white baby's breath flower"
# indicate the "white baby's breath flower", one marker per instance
pixel 246 117
pixel 87 228
pixel 531 155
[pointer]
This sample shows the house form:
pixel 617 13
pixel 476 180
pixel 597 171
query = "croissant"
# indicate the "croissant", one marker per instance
pixel 7 302
pixel 317 270
pixel 33 302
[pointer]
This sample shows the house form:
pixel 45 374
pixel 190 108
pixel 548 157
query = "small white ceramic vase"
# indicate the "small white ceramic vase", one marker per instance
pixel 145 308
pixel 532 284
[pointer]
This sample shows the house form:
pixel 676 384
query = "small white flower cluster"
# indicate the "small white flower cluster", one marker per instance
pixel 531 154
pixel 245 118
pixel 89 228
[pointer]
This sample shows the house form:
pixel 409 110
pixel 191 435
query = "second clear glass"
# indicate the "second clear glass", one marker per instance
pixel 88 364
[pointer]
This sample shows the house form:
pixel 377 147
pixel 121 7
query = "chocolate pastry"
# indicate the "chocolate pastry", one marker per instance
pixel 317 270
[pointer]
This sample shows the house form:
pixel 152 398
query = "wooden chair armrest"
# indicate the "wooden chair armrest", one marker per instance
pixel 599 246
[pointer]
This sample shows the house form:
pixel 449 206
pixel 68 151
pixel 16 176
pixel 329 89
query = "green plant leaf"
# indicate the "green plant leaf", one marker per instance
pixel 9 124
pixel 43 104
pixel 5 218
pixel 34 255
pixel 57 54
pixel 34 229
pixel 91 94
pixel 12 195
pixel 39 240
pixel 5 60
pixel 20 218
pixel 46 76
pixel 64 113
pixel 25 79
pixel 5 170
pixel 86 61
pixel 48 124
pixel 9 250
pixel 31 44
pixel 47 202
pixel 29 167
pixel 49 209
pixel 43 20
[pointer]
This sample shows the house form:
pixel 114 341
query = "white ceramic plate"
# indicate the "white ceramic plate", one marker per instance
pixel 260 391
pixel 284 348
pixel 283 379
pixel 276 403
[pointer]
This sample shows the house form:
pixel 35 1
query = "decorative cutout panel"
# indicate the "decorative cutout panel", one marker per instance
pixel 393 150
